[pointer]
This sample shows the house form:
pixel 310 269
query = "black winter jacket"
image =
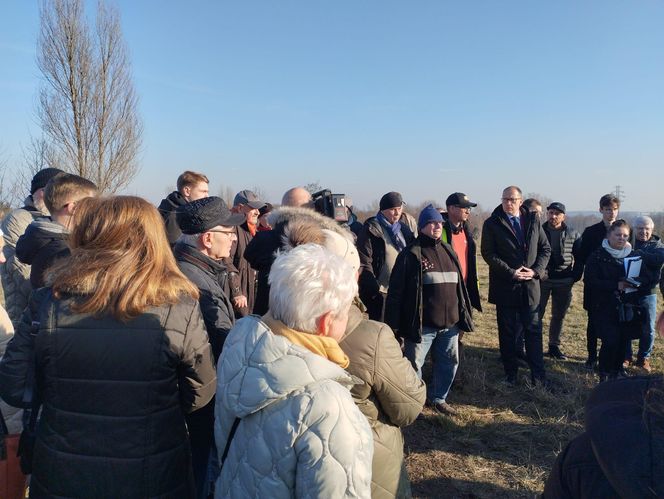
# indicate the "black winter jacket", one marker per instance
pixel 44 242
pixel 620 453
pixel 566 264
pixel 602 275
pixel 371 248
pixel 113 397
pixel 504 254
pixel 473 284
pixel 403 309
pixel 591 239
pixel 167 209
pixel 211 279
pixel 652 252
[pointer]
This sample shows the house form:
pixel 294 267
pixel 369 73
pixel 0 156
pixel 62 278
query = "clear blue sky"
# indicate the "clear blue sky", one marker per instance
pixel 564 98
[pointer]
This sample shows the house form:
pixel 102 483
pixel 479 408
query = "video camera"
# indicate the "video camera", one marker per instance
pixel 330 205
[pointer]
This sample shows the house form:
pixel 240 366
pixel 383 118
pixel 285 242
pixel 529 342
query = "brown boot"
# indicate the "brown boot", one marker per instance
pixel 644 364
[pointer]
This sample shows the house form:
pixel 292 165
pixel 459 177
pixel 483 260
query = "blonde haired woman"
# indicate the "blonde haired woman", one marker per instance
pixel 121 353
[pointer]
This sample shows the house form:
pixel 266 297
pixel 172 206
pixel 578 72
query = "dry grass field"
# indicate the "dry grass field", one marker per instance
pixel 505 439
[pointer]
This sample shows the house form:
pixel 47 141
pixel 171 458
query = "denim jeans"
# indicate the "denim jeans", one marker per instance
pixel 444 346
pixel 560 291
pixel 647 340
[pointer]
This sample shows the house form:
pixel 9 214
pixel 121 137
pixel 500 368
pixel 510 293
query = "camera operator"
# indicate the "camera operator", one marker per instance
pixel 328 213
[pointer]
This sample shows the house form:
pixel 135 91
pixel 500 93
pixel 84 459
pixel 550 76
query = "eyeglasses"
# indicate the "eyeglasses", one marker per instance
pixel 511 200
pixel 229 232
pixel 467 208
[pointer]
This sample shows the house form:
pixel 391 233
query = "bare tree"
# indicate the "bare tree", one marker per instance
pixel 227 193
pixel 260 192
pixel 313 187
pixel 6 196
pixel 87 103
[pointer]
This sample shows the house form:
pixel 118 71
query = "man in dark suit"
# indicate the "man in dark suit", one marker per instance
pixel 517 251
pixel 591 239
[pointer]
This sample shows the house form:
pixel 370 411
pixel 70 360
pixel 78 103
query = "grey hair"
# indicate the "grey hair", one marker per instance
pixel 513 188
pixel 307 282
pixel 644 220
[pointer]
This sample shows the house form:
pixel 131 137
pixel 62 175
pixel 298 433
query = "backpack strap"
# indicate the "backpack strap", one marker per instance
pixel 231 434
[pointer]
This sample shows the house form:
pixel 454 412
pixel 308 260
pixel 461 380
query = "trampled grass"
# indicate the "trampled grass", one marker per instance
pixel 505 439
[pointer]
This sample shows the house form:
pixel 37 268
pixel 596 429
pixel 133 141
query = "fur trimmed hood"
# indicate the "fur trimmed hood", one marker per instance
pixel 304 225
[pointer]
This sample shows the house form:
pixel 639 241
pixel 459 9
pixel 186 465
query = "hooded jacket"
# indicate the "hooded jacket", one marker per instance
pixel 620 453
pixel 503 252
pixel 113 397
pixel 391 396
pixel 299 433
pixel 44 242
pixel 167 209
pixel 16 275
pixel 261 251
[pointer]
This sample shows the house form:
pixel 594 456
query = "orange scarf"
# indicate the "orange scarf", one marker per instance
pixel 320 345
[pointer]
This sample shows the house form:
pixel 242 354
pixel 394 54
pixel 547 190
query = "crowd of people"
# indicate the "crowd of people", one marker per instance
pixel 197 349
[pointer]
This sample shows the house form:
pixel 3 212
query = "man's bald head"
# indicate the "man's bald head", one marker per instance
pixel 297 197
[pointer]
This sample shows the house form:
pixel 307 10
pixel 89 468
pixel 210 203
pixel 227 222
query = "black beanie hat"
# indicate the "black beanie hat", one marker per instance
pixel 42 177
pixel 391 200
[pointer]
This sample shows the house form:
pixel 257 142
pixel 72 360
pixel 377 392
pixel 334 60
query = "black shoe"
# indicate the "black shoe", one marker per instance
pixel 554 352
pixel 510 379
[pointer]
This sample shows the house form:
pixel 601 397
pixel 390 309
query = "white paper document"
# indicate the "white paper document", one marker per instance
pixel 632 269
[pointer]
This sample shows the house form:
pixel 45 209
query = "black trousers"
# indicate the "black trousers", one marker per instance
pixel 591 338
pixel 514 323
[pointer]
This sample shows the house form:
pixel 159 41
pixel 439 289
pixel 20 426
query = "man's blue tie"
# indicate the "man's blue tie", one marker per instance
pixel 516 223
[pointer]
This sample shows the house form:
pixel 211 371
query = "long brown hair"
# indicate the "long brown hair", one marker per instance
pixel 121 262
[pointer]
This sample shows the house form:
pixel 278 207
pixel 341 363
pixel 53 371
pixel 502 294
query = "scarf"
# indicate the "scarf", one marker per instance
pixel 616 253
pixel 398 240
pixel 320 345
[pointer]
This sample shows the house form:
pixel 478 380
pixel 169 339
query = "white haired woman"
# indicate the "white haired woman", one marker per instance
pixel 286 425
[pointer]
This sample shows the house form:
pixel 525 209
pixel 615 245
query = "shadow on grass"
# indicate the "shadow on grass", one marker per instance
pixel 493 438
pixel 499 427
pixel 454 488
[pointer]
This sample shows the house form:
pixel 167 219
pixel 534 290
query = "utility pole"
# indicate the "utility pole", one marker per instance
pixel 619 193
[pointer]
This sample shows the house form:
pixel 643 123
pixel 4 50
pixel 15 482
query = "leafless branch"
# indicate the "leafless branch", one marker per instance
pixel 88 108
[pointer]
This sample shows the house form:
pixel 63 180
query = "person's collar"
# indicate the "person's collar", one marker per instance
pixel 427 241
pixel 455 228
pixel 320 345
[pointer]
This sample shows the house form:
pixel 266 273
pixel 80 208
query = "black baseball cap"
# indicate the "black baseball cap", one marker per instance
pixel 556 206
pixel 459 199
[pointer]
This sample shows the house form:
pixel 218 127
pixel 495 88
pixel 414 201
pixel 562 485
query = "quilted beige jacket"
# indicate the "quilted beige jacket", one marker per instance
pixel 391 396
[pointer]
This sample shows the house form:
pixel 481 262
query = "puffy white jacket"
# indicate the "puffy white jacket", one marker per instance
pixel 300 433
